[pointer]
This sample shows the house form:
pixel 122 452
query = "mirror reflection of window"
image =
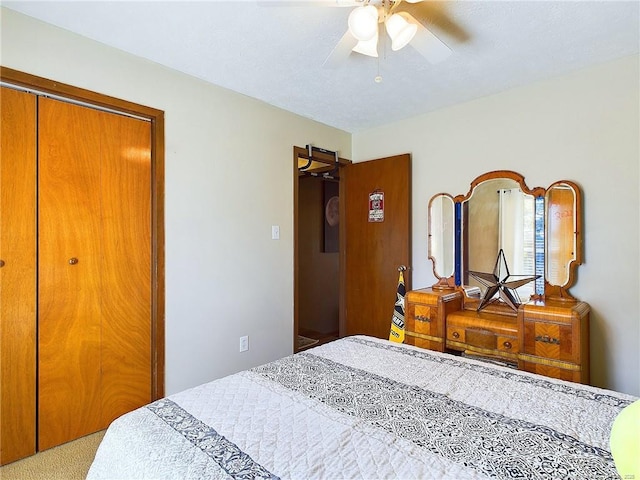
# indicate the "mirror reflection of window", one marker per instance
pixel 500 215
pixel 539 235
pixel 516 220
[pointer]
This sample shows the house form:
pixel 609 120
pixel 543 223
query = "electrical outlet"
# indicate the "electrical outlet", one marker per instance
pixel 244 343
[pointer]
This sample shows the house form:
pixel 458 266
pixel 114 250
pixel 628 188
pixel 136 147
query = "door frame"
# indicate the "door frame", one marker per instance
pixel 299 152
pixel 156 117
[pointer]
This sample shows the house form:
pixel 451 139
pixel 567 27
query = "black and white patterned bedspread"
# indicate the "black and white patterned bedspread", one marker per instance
pixel 366 408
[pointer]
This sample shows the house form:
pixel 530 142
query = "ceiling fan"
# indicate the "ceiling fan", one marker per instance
pixel 370 18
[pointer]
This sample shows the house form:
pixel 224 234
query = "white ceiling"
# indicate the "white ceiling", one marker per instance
pixel 274 50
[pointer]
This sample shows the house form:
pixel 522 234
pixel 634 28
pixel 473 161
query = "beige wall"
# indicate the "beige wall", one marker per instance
pixel 583 127
pixel 229 177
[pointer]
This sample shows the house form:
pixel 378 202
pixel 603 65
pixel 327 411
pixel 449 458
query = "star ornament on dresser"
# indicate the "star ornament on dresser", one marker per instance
pixel 505 288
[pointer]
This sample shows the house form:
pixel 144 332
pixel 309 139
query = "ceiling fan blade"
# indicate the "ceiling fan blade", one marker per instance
pixel 429 46
pixel 434 14
pixel 341 51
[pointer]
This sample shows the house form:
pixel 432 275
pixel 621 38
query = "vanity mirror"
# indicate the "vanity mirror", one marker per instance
pixel 537 229
pixel 563 252
pixel 502 235
pixel 442 239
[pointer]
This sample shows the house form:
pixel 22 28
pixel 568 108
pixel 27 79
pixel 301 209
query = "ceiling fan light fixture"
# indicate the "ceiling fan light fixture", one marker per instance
pixel 363 22
pixel 400 31
pixel 368 47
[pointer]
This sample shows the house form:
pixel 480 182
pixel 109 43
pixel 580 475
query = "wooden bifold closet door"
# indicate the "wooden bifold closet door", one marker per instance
pixel 17 275
pixel 94 265
pixel 76 223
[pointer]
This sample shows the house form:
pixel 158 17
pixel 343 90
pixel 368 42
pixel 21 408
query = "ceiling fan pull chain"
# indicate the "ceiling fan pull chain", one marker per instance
pixel 378 78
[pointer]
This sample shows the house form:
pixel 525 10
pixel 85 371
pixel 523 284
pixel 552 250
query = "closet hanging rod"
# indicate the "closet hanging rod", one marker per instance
pixel 328 174
pixel 311 149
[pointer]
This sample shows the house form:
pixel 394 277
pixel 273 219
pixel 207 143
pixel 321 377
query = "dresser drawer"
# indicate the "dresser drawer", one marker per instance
pixel 481 339
pixel 425 311
pixel 422 319
pixel 486 333
pixel 422 327
pixel 554 336
pixel 571 372
pixel 550 340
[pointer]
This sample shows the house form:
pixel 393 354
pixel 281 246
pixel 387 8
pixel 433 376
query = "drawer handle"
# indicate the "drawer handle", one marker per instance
pixel 423 318
pixel 548 339
pixel 455 335
pixel 73 261
pixel 507 345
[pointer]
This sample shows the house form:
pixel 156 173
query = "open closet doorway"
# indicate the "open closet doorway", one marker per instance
pixel 316 246
pixel 358 283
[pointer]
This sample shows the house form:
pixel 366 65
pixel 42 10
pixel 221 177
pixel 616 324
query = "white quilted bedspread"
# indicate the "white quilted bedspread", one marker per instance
pixel 364 408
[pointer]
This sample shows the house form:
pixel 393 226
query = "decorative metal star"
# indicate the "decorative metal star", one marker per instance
pixel 505 288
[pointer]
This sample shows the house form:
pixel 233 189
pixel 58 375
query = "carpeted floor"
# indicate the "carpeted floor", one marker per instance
pixel 70 461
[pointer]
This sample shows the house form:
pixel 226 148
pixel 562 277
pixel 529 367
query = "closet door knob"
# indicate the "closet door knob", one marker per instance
pixel 73 261
pixel 1 263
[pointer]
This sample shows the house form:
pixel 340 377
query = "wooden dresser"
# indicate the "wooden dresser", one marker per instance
pixel 547 337
pixel 425 317
pixel 554 339
pixel 498 243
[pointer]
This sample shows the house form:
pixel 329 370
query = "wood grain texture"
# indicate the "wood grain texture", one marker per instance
pixel 555 372
pixel 156 118
pixel 554 335
pixel 18 275
pixel 374 250
pixel 69 295
pixel 95 320
pixel 125 265
pixel 548 337
pixel 157 253
pixel 426 310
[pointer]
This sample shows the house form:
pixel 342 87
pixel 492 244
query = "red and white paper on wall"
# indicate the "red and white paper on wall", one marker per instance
pixel 376 206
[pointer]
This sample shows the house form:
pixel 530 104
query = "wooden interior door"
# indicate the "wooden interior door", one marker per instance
pixel 371 252
pixel 94 269
pixel 17 275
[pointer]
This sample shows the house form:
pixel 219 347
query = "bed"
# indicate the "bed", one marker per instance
pixel 361 407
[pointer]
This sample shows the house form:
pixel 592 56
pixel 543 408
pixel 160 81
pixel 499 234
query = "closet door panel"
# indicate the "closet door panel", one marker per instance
pixel 126 265
pixel 17 275
pixel 69 272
